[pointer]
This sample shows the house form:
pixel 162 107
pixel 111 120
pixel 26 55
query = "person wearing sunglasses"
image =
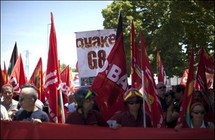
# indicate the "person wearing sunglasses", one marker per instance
pixel 132 116
pixel 85 114
pixel 198 116
pixel 29 111
pixel 174 107
pixel 161 90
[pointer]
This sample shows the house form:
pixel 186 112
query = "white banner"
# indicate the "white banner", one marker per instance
pixel 93 47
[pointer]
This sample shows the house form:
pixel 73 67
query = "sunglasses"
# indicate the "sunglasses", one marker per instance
pixel 22 99
pixel 199 112
pixel 163 87
pixel 135 102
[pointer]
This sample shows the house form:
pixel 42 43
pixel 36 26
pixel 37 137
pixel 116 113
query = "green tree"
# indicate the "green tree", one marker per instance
pixel 170 26
pixel 62 66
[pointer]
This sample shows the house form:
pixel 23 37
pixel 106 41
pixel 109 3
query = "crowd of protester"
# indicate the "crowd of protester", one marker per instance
pixel 83 110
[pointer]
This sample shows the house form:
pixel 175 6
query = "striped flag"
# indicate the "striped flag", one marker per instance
pixel 17 77
pixel 153 107
pixel 52 79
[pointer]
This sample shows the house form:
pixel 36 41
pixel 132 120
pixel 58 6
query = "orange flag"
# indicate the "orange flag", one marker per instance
pixel 5 75
pixel 160 68
pixel 184 113
pixel 37 79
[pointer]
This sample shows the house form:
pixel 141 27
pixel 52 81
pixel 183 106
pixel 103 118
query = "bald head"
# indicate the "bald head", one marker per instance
pixel 29 90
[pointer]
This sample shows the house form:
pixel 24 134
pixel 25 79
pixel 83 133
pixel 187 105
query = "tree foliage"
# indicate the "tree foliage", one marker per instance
pixel 173 27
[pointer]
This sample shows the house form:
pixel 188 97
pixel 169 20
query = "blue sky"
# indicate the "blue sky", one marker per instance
pixel 27 23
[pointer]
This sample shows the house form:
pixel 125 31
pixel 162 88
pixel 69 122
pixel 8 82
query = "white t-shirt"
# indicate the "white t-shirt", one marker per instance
pixel 203 124
pixel 4 114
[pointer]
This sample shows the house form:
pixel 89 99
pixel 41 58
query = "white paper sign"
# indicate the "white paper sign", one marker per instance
pixel 93 47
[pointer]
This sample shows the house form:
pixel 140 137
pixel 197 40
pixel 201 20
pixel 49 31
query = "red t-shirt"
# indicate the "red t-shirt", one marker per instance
pixel 93 118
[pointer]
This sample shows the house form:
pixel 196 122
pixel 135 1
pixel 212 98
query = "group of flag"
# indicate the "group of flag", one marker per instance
pixel 111 81
pixel 52 84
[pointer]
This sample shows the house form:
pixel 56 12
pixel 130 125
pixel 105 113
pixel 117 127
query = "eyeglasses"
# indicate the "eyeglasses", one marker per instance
pixel 199 112
pixel 27 98
pixel 163 87
pixel 135 102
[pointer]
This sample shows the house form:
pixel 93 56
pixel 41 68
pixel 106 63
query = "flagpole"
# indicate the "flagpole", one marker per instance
pixel 144 110
pixel 62 106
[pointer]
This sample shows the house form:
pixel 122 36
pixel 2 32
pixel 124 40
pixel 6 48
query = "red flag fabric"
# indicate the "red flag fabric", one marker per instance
pixel 52 75
pixel 13 59
pixel 37 80
pixel 160 68
pixel 111 81
pixel 135 61
pixel 184 77
pixel 153 107
pixel 17 77
pixel 65 83
pixel 201 76
pixel 2 82
pixel 184 113
pixel 209 63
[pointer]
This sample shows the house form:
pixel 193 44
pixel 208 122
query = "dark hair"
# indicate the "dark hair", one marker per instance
pixel 180 88
pixel 170 93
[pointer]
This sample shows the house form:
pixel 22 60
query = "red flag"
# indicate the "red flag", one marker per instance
pixel 52 76
pixel 17 77
pixel 209 63
pixel 111 81
pixel 188 95
pixel 184 78
pixel 209 66
pixel 201 76
pixel 153 104
pixel 160 68
pixel 1 78
pixel 135 61
pixel 37 80
pixel 65 83
pixel 13 59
